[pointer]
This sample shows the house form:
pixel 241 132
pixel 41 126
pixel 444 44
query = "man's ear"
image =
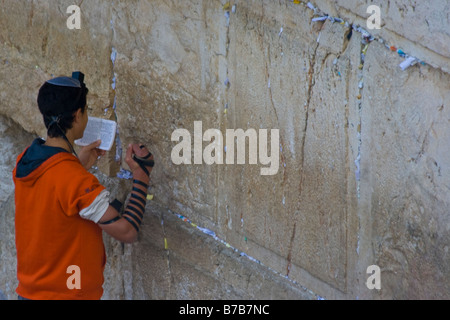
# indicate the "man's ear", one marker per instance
pixel 78 115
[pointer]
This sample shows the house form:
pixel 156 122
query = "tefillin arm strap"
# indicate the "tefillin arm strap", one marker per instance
pixel 134 211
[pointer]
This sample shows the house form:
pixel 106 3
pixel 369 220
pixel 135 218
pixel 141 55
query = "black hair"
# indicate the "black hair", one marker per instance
pixel 58 104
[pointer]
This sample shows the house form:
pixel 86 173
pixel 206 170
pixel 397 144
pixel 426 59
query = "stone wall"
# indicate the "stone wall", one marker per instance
pixel 362 178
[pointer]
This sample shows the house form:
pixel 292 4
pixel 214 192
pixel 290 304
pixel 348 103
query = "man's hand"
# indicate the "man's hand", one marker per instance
pixel 140 151
pixel 88 155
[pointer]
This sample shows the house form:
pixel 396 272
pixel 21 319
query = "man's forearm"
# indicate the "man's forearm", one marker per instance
pixel 126 228
pixel 134 211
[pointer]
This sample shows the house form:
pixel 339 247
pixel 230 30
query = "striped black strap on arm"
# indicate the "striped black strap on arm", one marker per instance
pixel 110 221
pixel 132 223
pixel 117 205
pixel 134 212
pixel 140 183
pixel 144 162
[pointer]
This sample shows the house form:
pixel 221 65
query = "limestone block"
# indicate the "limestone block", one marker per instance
pixel 195 266
pixel 166 73
pixel 8 263
pixel 297 218
pixel 404 188
pixel 419 28
pixel 37 45
pixel 425 23
pixel 13 140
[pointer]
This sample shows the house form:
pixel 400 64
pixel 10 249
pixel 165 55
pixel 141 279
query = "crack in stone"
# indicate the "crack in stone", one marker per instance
pixel 311 84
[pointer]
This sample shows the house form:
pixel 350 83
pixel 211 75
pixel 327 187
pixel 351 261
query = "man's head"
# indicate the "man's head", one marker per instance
pixel 59 99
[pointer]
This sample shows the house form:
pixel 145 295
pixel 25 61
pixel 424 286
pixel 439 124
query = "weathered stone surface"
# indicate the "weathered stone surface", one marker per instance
pixel 362 151
pixel 173 74
pixel 406 120
pixel 36 44
pixel 13 139
pixel 420 28
pixel 195 266
pixel 8 280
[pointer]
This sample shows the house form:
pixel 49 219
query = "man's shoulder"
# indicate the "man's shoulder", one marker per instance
pixel 67 167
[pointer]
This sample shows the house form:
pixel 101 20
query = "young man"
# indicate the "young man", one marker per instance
pixel 61 208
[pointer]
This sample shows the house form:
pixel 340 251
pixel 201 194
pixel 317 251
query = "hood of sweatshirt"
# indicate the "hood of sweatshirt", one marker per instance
pixel 37 158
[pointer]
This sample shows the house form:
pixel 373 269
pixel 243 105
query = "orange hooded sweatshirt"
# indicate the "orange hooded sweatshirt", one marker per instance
pixel 52 187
